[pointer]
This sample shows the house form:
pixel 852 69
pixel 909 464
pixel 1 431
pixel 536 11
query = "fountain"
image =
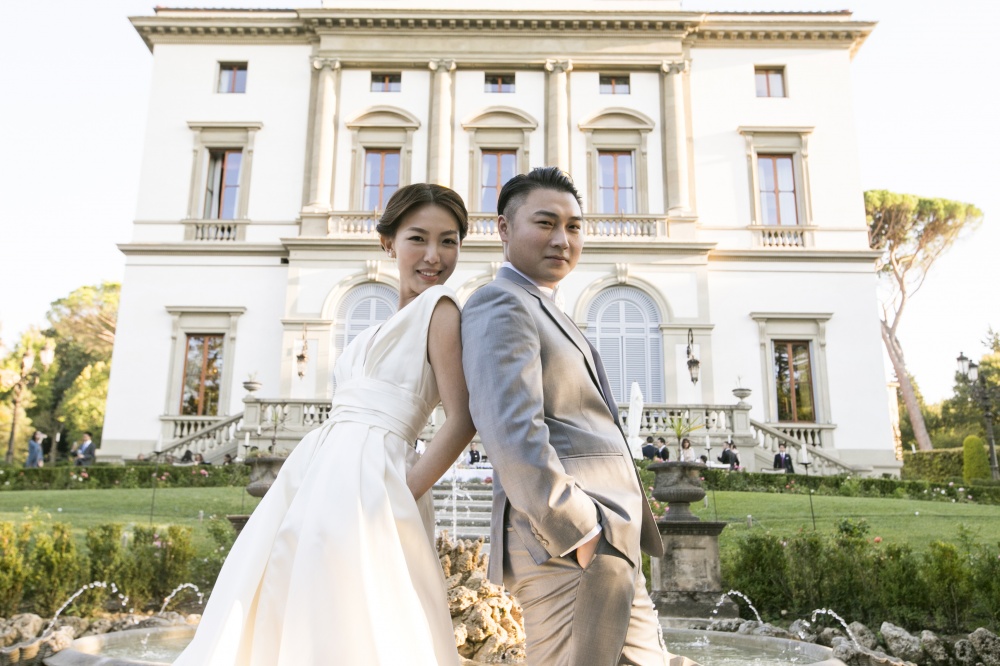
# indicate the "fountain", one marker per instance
pixel 689 580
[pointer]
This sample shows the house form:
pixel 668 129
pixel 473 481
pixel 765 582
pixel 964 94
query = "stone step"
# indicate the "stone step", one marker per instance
pixel 474 505
pixel 445 521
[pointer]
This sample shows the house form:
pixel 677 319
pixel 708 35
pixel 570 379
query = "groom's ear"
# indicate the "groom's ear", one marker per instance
pixel 503 227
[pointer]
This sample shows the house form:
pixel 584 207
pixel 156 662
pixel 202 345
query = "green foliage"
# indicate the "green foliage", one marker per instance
pixel 87 318
pixel 158 560
pixel 976 464
pixel 13 568
pixel 938 465
pixel 69 477
pixel 947 577
pixel 866 580
pixel 853 529
pixel 105 564
pixel 206 569
pixel 55 569
pixel 846 486
pixel 82 406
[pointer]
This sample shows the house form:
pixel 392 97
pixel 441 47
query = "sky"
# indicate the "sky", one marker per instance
pixel 75 76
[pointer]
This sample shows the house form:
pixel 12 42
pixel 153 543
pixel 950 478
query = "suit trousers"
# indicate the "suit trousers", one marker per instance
pixel 598 616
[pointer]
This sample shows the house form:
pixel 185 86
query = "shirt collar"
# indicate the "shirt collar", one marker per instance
pixel 548 291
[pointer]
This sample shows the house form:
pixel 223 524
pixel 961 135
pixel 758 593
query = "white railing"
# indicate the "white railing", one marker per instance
pixel 782 237
pixel 769 437
pixel 354 223
pixel 212 442
pixel 483 226
pixel 179 427
pixel 811 434
pixel 715 421
pixel 226 231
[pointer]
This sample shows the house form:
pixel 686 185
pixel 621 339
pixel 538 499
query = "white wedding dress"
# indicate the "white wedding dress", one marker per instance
pixel 337 564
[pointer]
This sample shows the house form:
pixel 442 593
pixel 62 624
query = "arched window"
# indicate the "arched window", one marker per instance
pixel 624 324
pixel 366 305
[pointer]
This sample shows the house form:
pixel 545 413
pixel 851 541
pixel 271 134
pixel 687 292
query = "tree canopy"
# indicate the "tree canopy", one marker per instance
pixel 911 232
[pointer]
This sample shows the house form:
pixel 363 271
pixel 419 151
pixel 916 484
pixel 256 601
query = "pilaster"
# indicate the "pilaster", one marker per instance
pixel 675 148
pixel 557 135
pixel 439 158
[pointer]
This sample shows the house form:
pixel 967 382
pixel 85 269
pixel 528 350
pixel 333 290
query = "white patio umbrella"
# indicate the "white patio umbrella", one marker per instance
pixel 635 404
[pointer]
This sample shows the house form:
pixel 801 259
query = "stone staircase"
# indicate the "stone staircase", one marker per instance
pixel 464 511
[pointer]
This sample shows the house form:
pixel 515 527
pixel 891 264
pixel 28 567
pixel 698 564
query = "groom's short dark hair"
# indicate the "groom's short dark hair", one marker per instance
pixel 516 190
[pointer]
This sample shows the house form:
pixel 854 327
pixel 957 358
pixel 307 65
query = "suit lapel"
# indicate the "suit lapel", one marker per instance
pixel 571 331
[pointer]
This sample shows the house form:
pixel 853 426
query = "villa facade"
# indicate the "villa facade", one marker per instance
pixel 715 153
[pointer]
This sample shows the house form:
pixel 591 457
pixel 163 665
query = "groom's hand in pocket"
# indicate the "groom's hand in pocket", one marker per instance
pixel 585 553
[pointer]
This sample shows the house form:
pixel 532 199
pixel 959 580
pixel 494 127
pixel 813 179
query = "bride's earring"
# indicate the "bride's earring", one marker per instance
pixel 392 254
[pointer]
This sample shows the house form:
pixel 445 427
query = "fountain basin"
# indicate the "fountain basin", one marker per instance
pixel 159 646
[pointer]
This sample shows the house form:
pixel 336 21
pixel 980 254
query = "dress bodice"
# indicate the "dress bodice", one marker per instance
pixel 383 377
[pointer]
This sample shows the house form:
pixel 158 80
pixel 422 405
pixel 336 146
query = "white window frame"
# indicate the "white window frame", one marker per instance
pixel 380 128
pixel 806 327
pixel 210 136
pixel 496 128
pixel 791 141
pixel 623 130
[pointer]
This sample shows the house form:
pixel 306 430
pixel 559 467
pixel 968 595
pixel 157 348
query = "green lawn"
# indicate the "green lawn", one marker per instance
pixel 914 522
pixel 85 508
pixel 901 521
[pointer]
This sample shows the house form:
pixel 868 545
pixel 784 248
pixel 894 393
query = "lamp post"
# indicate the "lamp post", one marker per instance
pixel 805 462
pixel 694 365
pixel 985 397
pixel 27 377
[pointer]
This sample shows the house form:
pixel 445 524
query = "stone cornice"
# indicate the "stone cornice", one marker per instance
pixel 790 255
pixel 206 248
pixel 797 30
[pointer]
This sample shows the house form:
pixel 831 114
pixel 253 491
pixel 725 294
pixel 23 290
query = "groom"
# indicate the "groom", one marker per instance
pixel 569 513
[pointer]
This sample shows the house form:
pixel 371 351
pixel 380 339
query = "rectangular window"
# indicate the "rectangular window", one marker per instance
pixel 232 77
pixel 387 81
pixel 381 178
pixel 498 167
pixel 615 182
pixel 202 375
pixel 793 380
pixel 499 83
pixel 770 81
pixel 776 176
pixel 222 187
pixel 614 84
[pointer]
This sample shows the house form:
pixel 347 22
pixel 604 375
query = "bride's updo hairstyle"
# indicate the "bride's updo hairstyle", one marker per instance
pixel 408 199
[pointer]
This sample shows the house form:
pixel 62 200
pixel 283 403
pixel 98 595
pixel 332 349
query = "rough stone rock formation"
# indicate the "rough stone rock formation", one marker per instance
pixel 488 624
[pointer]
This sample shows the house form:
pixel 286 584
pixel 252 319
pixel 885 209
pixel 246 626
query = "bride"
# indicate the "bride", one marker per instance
pixel 337 563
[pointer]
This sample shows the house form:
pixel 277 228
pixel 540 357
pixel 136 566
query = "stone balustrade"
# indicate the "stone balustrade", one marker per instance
pixel 772 237
pixel 226 231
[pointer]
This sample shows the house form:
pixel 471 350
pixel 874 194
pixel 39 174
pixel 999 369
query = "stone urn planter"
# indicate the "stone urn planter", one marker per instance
pixel 263 471
pixel 252 385
pixel 678 484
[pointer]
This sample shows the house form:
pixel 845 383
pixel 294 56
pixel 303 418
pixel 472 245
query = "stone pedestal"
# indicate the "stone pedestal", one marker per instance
pixel 688 580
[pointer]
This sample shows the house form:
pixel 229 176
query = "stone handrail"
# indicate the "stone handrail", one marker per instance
pixel 483 226
pixel 767 236
pixel 212 442
pixel 228 231
pixel 768 437
pixel 179 427
pixel 716 421
pixel 813 434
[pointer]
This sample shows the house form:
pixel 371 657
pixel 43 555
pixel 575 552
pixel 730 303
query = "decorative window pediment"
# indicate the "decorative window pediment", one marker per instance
pixel 618 118
pixel 384 116
pixel 501 117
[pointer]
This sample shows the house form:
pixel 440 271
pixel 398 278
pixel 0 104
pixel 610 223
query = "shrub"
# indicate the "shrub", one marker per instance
pixel 206 569
pixel 54 569
pixel 936 466
pixel 69 477
pixel 158 561
pixel 106 559
pixel 947 577
pixel 13 568
pixel 976 464
pixel 759 569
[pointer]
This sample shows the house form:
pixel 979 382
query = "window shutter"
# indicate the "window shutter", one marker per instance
pixel 364 306
pixel 624 324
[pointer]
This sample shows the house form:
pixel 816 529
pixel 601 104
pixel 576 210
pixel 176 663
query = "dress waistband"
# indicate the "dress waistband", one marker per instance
pixel 381 404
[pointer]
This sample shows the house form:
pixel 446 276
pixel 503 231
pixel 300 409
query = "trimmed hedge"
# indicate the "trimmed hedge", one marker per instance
pixel 976 462
pixel 983 492
pixel 122 476
pixel 938 465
